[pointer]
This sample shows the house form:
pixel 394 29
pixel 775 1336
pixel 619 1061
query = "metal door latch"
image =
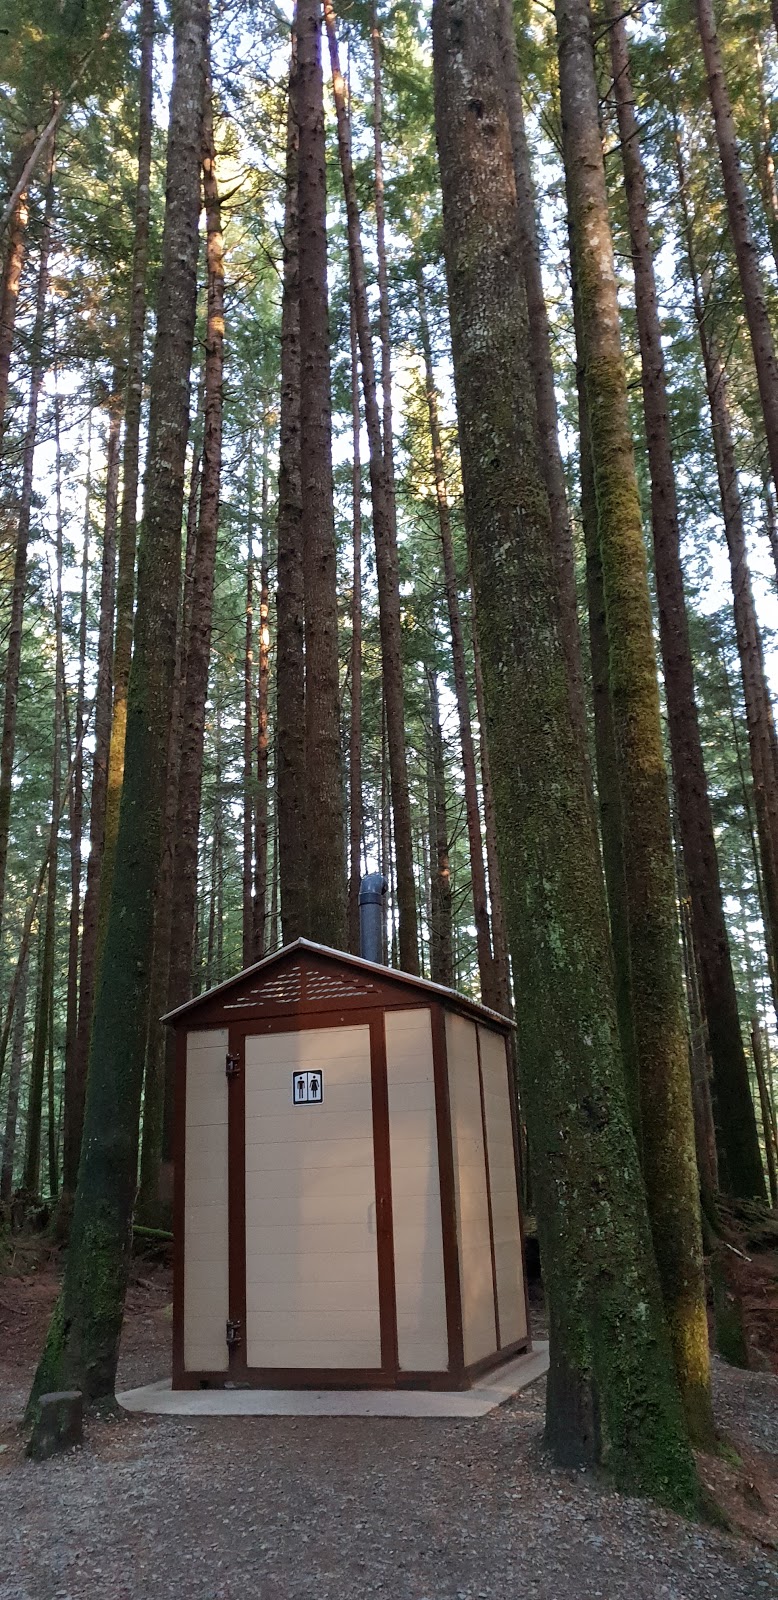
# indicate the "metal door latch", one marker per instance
pixel 233 1334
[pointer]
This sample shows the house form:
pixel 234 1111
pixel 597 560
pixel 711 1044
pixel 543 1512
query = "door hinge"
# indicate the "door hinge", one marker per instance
pixel 232 1066
pixel 233 1334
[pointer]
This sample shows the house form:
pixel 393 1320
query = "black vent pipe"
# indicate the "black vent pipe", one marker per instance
pixel 372 900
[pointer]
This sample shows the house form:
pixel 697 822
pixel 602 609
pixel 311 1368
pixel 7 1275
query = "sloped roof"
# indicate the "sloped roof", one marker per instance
pixel 344 958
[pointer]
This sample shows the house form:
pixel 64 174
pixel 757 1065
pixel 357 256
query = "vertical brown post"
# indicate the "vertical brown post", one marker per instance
pixel 236 1197
pixel 387 1297
pixel 179 1207
pixel 448 1217
pixel 488 1186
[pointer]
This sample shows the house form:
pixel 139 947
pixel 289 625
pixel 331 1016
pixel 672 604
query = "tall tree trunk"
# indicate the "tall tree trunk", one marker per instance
pixel 611 1376
pixel 13 265
pixel 442 931
pixel 76 1063
pixel 764 160
pixel 263 700
pixel 356 807
pixel 667 1127
pixel 249 950
pixel 543 369
pixel 744 243
pixel 759 712
pixel 82 1345
pixel 323 766
pixel 503 1001
pixel 51 1101
pixel 125 580
pixel 14 1083
pixel 43 1019
pixel 771 521
pixel 198 655
pixel 489 982
pixel 740 1164
pixel 14 652
pixel 384 528
pixel 76 1069
pixel 290 654
pixel 76 792
pixel 764 1104
pixel 608 781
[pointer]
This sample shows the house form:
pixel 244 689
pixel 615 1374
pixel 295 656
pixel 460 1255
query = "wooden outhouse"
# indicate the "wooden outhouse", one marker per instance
pixel 346 1181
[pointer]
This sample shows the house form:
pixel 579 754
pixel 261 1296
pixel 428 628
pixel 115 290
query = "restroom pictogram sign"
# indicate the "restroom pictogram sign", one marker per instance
pixel 307 1088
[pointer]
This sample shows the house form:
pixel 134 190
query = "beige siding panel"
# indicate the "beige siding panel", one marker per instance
pixel 509 1268
pixel 311 1247
pixel 472 1206
pixel 206 1247
pixel 418 1237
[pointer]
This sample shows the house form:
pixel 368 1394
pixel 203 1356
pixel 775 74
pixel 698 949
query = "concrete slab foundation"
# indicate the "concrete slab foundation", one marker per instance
pixel 490 1392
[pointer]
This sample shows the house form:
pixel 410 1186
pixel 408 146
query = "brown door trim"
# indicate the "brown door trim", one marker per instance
pixel 513 1101
pixel 387 1294
pixel 236 1200
pixel 448 1217
pixel 488 1175
pixel 179 1209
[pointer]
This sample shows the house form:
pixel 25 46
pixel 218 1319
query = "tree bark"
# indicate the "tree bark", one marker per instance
pixel 384 522
pixel 14 653
pixel 543 370
pixel 741 1164
pixel 606 758
pixel 125 580
pixel 323 765
pixel 764 1104
pixel 667 1127
pixel 490 986
pixel 13 266
pixel 612 1393
pixel 82 1344
pixel 263 701
pixel 441 929
pixel 43 1018
pixel 14 1084
pixel 356 808
pixel 290 602
pixel 249 950
pixel 759 712
pixel 195 684
pixel 76 797
pixel 502 975
pixel 744 243
pixel 76 1064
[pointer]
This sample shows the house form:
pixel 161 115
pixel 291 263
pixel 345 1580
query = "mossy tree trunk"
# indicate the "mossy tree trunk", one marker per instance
pixel 14 1085
pixel 612 1392
pixel 741 1163
pixel 667 1128
pixel 83 1340
pixel 542 367
pixel 323 762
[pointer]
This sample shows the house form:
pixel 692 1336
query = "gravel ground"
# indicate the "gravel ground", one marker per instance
pixel 268 1508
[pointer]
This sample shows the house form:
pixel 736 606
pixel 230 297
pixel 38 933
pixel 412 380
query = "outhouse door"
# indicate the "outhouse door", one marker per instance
pixel 313 1206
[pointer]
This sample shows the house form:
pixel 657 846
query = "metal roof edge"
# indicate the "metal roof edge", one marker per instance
pixel 392 973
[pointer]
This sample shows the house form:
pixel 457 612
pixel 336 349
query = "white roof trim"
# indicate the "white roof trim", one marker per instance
pixel 354 961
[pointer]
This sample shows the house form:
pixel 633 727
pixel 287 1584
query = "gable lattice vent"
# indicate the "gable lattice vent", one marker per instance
pixel 283 988
pixel 337 986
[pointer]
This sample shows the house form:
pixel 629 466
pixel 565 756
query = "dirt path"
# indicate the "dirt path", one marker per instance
pixel 337 1509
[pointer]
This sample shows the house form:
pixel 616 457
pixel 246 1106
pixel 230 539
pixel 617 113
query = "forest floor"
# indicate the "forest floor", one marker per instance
pixel 270 1508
